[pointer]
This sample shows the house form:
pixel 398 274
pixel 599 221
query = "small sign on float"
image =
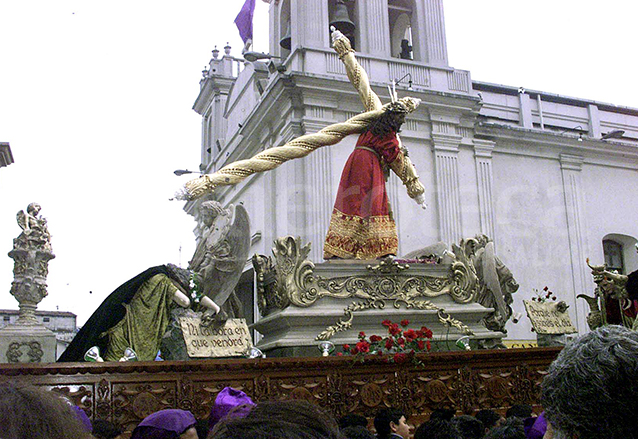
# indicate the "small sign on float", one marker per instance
pixel 231 340
pixel 547 318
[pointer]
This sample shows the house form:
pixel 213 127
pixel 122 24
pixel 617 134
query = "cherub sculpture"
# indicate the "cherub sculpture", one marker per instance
pixel 35 232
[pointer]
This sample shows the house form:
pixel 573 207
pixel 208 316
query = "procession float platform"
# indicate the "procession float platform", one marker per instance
pixel 467 381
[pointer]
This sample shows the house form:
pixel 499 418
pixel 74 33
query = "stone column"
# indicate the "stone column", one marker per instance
pixel 571 167
pixel 374 28
pixel 483 159
pixel 314 16
pixel 448 197
pixel 27 341
pixel 319 202
pixel 429 32
pixel 394 186
pixel 525 110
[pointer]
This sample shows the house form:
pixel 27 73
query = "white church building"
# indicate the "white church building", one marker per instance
pixel 551 179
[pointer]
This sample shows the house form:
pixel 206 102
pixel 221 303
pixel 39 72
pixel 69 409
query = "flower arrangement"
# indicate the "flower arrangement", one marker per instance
pixel 400 344
pixel 195 289
pixel 543 296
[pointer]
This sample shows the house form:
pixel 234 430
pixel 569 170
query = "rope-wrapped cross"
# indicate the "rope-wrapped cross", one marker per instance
pixel 273 157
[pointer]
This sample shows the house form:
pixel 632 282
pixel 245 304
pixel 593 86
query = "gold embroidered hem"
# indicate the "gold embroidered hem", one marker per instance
pixel 353 237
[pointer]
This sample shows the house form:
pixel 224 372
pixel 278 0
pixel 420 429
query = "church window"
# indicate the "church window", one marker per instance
pixel 400 14
pixel 613 252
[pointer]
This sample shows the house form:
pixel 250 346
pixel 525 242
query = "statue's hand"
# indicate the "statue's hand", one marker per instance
pixel 335 34
pixel 420 200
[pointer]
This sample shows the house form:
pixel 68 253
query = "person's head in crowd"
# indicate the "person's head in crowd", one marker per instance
pixel 590 390
pixel 105 430
pixel 521 411
pixel 443 414
pixel 437 429
pixel 229 401
pixel 469 427
pixel 489 418
pixel 202 429
pixel 83 418
pixel 538 428
pixel 29 412
pixel 391 422
pixel 352 419
pixel 510 428
pixel 295 419
pixel 167 424
pixel 356 432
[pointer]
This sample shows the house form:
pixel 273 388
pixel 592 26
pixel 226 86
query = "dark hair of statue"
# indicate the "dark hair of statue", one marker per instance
pixel 388 122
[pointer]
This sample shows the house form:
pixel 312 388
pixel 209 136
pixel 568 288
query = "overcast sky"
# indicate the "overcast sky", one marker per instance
pixel 96 98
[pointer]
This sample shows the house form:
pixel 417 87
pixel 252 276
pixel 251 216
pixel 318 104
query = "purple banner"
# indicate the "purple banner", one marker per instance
pixel 244 20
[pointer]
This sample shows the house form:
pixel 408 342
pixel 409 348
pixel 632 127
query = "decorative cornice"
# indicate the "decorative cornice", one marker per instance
pixel 571 162
pixel 483 148
pixel 446 142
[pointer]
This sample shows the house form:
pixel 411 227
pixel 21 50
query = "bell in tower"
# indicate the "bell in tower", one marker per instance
pixel 285 41
pixel 341 20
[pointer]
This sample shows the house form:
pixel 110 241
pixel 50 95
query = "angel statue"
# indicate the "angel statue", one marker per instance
pixel 361 225
pixel 35 232
pixel 223 242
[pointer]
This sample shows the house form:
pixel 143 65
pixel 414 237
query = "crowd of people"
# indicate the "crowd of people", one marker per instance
pixel 590 392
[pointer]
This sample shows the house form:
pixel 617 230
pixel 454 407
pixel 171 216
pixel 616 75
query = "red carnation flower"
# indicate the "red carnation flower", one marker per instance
pixel 401 341
pixel 405 322
pixel 427 332
pixel 346 347
pixel 420 344
pixel 400 358
pixel 389 343
pixel 428 344
pixel 339 354
pixel 545 289
pixel 375 338
pixel 362 334
pixel 394 329
pixel 363 347
pixel 354 351
pixel 409 335
pixel 386 322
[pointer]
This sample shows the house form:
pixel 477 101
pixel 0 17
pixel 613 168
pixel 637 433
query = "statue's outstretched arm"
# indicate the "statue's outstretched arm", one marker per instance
pixel 357 76
pixel 404 169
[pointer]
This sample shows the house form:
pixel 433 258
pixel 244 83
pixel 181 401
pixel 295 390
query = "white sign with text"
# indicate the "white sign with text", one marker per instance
pixel 231 340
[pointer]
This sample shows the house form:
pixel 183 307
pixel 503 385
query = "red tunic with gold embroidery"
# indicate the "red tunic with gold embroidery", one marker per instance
pixel 361 225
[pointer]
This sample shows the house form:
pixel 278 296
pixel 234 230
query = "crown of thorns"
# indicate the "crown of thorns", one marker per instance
pixel 402 106
pixel 397 107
